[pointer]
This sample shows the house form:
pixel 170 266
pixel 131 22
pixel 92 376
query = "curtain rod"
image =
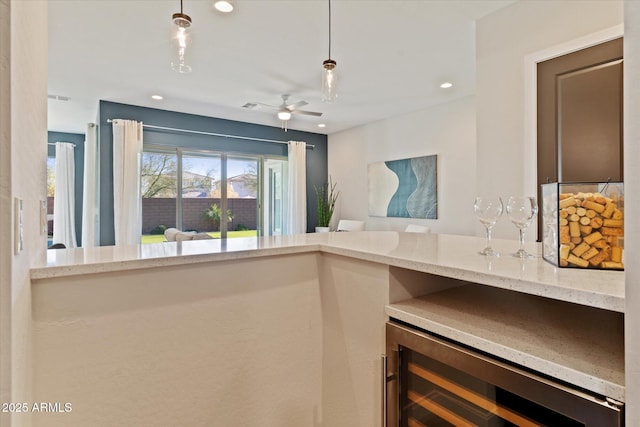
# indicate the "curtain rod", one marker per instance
pixel 53 143
pixel 214 134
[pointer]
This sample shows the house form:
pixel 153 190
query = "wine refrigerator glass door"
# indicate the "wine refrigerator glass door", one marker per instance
pixel 443 384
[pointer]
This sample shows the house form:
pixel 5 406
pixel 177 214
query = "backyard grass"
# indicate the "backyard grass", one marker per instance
pixel 159 238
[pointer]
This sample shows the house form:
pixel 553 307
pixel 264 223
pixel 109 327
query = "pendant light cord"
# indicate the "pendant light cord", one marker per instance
pixel 329 29
pixel 181 7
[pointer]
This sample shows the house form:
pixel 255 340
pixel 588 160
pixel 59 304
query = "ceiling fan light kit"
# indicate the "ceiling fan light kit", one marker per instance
pixel 284 115
pixel 284 110
pixel 181 38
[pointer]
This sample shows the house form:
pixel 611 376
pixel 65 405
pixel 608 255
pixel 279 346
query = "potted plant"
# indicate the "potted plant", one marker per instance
pixel 326 196
pixel 214 214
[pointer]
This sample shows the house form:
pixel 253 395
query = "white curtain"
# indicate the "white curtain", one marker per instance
pixel 90 190
pixel 296 211
pixel 127 204
pixel 64 218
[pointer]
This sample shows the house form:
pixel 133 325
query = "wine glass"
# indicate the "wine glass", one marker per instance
pixel 488 210
pixel 521 211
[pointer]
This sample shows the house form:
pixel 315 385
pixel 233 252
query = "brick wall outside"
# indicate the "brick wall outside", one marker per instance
pixel 50 212
pixel 157 211
pixel 162 211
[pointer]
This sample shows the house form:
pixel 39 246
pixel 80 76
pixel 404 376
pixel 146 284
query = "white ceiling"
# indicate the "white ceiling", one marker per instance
pixel 392 56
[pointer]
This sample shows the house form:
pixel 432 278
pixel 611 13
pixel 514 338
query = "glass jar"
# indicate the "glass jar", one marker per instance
pixel 583 225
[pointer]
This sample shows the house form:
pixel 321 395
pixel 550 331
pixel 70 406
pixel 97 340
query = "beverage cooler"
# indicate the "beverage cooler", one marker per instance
pixel 430 381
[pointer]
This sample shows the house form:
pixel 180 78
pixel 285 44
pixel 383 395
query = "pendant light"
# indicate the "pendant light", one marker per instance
pixel 181 38
pixel 329 77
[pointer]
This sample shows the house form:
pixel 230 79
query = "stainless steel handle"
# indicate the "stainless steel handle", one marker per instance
pixel 385 363
pixel 386 378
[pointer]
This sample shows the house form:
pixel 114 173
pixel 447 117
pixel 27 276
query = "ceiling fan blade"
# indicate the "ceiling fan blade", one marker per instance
pixel 306 113
pixel 296 105
pixel 258 104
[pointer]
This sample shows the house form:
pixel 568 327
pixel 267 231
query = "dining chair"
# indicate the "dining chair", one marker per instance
pixel 350 225
pixel 413 228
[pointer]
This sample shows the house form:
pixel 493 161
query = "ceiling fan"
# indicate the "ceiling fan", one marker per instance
pixel 285 110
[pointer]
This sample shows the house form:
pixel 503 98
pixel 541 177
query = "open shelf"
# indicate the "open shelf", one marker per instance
pixel 579 345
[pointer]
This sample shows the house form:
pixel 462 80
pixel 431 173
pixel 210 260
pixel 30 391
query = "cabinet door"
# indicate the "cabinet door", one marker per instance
pixel 580 116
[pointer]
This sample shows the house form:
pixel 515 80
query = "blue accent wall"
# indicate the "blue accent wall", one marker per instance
pixel 78 158
pixel 317 171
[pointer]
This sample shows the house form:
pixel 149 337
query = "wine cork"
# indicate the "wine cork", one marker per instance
pixel 596 222
pixel 590 254
pixel 594 206
pixel 613 223
pixel 574 229
pixel 601 244
pixel 596 260
pixel 611 265
pixel 593 237
pixel 616 254
pixel 608 231
pixel 581 249
pixel 572 259
pixel 608 210
pixel 585 230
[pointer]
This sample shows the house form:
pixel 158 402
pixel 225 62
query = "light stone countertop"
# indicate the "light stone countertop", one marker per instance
pixel 576 344
pixel 445 255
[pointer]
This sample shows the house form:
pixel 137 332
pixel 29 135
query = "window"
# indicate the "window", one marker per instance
pixel 51 192
pixel 203 191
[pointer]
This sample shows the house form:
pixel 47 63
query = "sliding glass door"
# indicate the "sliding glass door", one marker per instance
pixel 242 196
pixel 200 207
pixel 208 192
pixel 275 178
pixel 159 190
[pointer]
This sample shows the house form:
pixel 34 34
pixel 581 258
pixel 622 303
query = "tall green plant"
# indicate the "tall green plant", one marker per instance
pixel 326 196
pixel 214 214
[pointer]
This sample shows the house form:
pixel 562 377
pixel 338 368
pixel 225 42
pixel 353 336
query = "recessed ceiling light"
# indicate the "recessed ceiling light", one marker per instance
pixel 223 6
pixel 321 125
pixel 446 85
pixel 156 97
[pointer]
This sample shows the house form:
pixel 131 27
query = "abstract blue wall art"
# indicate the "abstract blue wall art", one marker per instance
pixel 404 188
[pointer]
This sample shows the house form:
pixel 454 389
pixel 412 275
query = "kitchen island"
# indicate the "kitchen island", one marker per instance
pixel 289 330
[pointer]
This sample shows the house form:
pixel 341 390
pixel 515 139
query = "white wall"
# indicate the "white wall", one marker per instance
pixel 632 208
pixel 494 157
pixel 211 344
pixel 24 146
pixel 505 163
pixel 5 208
pixel 447 130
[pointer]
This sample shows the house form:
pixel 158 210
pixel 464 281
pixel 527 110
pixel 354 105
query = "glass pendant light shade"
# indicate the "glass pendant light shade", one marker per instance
pixel 329 77
pixel 181 41
pixel 329 81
